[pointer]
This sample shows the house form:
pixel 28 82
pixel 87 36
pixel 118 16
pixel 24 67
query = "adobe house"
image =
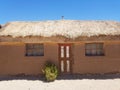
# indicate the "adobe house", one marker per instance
pixel 76 47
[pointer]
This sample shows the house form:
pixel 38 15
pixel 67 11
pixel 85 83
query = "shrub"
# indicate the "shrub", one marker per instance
pixel 50 71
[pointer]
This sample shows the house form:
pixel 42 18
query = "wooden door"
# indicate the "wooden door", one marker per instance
pixel 65 57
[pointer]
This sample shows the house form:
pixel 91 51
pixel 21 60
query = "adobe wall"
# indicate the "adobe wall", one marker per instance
pixel 13 60
pixel 109 63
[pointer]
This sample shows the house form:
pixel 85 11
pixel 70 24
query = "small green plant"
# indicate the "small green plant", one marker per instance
pixel 50 72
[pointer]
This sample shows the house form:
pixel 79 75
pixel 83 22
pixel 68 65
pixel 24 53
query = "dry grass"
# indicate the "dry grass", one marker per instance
pixel 68 28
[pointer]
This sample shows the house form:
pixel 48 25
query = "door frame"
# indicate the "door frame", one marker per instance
pixel 65 59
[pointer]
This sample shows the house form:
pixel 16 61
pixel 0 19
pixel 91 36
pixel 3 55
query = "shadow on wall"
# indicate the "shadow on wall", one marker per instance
pixel 61 77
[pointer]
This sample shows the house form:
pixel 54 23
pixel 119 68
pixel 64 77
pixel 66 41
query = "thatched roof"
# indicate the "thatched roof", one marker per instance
pixel 66 28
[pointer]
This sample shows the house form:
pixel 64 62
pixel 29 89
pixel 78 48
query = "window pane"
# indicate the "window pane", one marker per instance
pixel 34 50
pixel 29 52
pixel 68 66
pixel 100 46
pixel 93 46
pixel 94 49
pixel 88 52
pixel 62 51
pixel 93 52
pixel 29 46
pixel 88 46
pixel 34 53
pixel 67 51
pixel 62 66
pixel 99 52
pixel 41 53
pixel 40 46
pixel 36 46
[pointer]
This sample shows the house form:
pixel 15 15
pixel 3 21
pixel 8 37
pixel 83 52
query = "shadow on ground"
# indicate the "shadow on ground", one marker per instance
pixel 90 76
pixel 61 77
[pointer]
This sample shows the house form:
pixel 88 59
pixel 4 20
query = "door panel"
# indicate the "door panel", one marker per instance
pixel 65 58
pixel 62 51
pixel 68 65
pixel 62 65
pixel 67 51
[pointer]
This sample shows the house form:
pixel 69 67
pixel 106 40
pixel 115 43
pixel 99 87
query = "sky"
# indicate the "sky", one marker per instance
pixel 37 10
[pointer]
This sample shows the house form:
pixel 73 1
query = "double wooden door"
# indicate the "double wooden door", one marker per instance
pixel 65 58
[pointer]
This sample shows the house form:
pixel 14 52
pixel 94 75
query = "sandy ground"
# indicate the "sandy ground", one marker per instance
pixel 77 84
pixel 65 82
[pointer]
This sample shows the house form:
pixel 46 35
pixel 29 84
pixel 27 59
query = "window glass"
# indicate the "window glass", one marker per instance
pixel 67 51
pixel 34 50
pixel 62 51
pixel 88 52
pixel 94 49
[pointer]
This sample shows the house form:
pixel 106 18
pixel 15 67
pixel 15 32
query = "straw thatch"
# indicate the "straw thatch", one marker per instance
pixel 66 30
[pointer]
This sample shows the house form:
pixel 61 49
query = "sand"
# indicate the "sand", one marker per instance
pixel 77 84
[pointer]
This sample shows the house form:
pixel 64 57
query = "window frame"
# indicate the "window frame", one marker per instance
pixel 33 48
pixel 96 49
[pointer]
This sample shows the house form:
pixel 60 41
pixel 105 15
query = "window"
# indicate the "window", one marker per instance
pixel 94 49
pixel 34 50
